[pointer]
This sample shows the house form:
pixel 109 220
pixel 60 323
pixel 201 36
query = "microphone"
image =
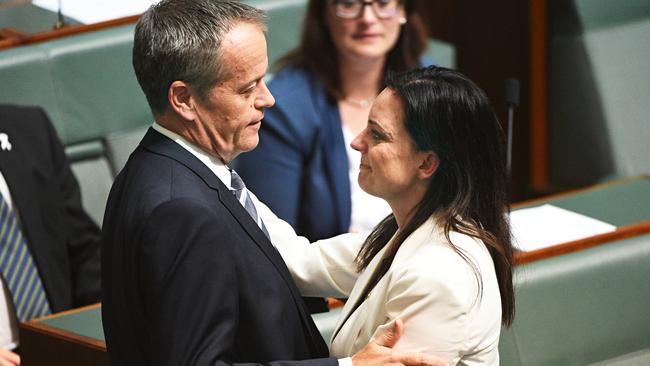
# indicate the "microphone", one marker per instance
pixel 511 97
pixel 60 21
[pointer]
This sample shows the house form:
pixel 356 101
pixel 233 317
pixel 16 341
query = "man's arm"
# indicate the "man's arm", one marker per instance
pixel 188 278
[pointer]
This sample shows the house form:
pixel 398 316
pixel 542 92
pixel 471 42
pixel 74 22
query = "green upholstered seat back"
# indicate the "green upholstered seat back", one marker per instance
pixel 581 308
pixel 599 83
pixel 87 86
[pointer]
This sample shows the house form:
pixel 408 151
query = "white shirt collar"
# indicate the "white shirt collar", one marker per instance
pixel 215 165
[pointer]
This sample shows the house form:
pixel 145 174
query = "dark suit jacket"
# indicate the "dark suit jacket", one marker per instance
pixel 188 277
pixel 63 239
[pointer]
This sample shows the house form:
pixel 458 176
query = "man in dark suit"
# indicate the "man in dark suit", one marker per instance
pixel 189 274
pixel 41 197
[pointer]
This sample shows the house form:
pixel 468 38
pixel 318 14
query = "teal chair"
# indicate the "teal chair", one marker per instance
pixel 599 88
pixel 587 307
pixel 86 85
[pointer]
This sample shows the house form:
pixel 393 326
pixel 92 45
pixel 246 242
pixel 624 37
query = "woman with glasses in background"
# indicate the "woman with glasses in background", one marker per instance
pixel 303 167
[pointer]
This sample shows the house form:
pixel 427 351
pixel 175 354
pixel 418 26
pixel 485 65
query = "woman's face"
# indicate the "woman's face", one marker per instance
pixel 365 38
pixel 390 164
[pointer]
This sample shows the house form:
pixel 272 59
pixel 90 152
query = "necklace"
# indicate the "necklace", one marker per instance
pixel 361 103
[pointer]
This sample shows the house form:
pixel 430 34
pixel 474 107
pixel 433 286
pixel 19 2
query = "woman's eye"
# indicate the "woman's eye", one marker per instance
pixel 376 135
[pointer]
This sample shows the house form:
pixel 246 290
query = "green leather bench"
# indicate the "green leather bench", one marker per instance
pixel 87 86
pixel 599 88
pixel 591 306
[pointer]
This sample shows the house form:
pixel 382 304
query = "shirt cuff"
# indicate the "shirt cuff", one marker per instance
pixel 345 361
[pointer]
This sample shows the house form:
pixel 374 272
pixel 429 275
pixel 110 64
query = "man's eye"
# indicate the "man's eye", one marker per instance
pixel 249 89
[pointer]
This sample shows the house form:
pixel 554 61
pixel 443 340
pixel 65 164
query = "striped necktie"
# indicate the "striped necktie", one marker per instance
pixel 241 193
pixel 18 269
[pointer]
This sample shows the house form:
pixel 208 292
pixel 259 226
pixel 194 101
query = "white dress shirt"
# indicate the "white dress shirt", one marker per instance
pixel 276 227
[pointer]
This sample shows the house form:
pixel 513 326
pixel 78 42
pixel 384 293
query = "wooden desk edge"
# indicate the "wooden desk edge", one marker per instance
pixel 623 232
pixel 37 326
pixel 66 31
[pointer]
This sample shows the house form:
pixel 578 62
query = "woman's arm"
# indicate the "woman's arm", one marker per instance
pixel 324 268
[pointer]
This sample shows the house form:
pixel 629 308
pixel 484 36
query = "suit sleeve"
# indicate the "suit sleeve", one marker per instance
pixel 189 277
pixel 82 234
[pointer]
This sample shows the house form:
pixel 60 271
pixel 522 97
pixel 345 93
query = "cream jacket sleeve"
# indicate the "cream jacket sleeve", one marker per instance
pixel 324 268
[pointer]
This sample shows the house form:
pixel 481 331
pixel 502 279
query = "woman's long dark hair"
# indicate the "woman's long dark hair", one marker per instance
pixel 448 114
pixel 318 55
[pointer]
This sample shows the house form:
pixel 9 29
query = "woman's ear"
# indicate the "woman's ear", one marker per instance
pixel 181 100
pixel 430 163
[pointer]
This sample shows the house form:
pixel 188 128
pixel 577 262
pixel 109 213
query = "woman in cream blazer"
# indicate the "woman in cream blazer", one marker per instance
pixel 442 261
pixel 436 293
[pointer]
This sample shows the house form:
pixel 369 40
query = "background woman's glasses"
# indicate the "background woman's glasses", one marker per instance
pixel 352 9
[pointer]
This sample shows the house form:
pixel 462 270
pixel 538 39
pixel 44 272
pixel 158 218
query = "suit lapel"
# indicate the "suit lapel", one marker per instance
pixel 423 235
pixel 354 301
pixel 157 143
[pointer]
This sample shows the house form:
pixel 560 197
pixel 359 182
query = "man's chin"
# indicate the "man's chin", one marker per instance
pixel 249 145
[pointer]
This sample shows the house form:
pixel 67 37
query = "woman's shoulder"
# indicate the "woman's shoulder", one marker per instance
pixel 427 261
pixel 429 250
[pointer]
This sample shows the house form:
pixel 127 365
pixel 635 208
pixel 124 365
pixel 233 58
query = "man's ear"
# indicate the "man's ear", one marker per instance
pixel 181 100
pixel 430 163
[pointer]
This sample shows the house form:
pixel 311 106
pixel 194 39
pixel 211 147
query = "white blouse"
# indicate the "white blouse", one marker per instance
pixel 367 210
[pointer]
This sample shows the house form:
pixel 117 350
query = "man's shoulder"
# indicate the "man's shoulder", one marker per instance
pixel 23 120
pixel 18 110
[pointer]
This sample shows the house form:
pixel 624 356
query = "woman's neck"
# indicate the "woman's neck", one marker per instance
pixel 361 80
pixel 405 206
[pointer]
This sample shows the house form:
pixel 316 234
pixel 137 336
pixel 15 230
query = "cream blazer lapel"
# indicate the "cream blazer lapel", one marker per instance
pixel 348 319
pixel 370 317
pixel 436 293
pixel 353 334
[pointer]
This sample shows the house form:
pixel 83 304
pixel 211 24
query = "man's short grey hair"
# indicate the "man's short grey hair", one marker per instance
pixel 180 40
